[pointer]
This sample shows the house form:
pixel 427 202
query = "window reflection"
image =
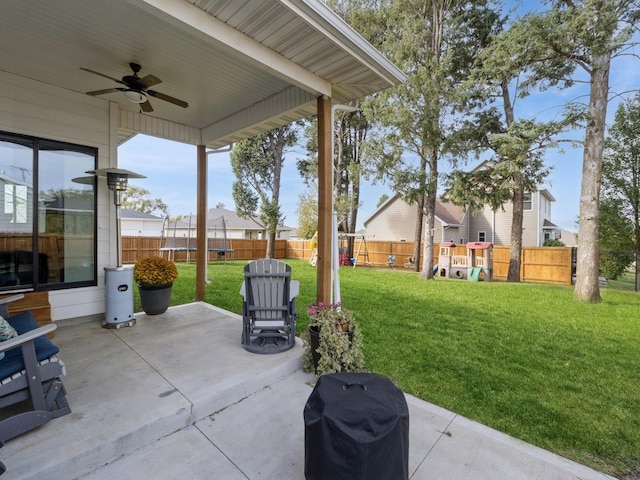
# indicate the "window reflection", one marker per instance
pixel 57 246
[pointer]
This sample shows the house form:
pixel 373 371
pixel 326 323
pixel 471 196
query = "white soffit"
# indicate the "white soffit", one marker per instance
pixel 243 66
pixel 235 43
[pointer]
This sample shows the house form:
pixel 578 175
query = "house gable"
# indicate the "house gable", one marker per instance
pixel 395 220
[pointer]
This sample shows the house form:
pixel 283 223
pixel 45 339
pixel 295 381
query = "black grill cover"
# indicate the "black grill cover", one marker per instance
pixel 356 427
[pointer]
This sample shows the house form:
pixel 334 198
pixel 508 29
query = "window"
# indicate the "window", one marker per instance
pixel 482 236
pixel 47 211
pixel 527 203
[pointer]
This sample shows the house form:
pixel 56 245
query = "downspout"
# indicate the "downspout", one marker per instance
pixel 335 264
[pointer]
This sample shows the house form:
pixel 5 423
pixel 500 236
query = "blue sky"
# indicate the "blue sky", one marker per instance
pixel 170 167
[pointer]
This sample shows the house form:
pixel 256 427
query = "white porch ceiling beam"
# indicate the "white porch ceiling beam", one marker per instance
pixel 287 100
pixel 190 18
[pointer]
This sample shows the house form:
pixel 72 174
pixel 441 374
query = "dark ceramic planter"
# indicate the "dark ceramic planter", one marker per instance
pixel 314 342
pixel 155 300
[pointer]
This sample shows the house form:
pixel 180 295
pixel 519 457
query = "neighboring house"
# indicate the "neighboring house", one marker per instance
pixel 138 224
pixel 220 218
pixel 395 220
pixel 570 239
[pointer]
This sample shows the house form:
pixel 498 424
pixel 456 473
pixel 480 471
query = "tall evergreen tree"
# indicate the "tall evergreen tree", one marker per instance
pixel 583 34
pixel 257 164
pixel 619 221
pixel 350 130
pixel 414 119
pixel 516 145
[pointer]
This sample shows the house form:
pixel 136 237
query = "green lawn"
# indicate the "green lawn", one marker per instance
pixel 525 359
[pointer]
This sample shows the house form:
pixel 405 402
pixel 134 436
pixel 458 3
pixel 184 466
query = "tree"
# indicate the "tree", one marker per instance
pixel 583 34
pixel 351 133
pixel 516 168
pixel 516 145
pixel 308 213
pixel 135 198
pixel 350 129
pixel 383 198
pixel 619 221
pixel 412 117
pixel 257 163
pixel 616 238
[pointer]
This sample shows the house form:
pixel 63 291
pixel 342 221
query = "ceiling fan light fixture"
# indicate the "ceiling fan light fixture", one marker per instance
pixel 135 97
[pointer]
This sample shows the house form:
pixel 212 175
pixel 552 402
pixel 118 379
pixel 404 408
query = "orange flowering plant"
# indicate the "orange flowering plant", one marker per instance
pixel 154 272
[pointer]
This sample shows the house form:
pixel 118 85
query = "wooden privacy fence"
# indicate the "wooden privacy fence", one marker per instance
pixel 539 264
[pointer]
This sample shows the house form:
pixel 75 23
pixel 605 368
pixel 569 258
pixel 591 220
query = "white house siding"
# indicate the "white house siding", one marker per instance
pixel 500 223
pixel 396 222
pixel 141 228
pixel 532 222
pixel 482 222
pixel 545 213
pixel 497 225
pixel 212 233
pixel 32 108
pixel 450 234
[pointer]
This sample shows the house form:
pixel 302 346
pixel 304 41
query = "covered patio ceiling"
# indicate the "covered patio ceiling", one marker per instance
pixel 243 66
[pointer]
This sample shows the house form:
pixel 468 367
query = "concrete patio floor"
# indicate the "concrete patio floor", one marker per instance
pixel 176 397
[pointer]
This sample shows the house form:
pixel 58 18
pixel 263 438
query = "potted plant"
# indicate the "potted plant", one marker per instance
pixel 333 342
pixel 154 277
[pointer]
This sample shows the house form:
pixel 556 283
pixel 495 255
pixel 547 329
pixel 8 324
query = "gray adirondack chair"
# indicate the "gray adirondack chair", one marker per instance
pixel 268 310
pixel 30 370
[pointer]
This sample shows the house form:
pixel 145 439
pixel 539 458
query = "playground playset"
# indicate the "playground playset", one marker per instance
pixel 476 265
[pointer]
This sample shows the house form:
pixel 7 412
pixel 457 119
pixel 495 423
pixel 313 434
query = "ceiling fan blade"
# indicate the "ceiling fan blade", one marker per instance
pixel 167 98
pixel 106 90
pixel 149 80
pixel 146 107
pixel 102 75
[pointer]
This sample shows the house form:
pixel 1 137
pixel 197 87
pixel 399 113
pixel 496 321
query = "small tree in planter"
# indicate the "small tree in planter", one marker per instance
pixel 154 277
pixel 333 342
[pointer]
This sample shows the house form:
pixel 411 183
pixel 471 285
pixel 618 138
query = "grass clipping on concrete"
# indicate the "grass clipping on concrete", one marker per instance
pixel 525 359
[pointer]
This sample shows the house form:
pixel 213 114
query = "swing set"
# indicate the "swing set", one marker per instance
pixel 361 255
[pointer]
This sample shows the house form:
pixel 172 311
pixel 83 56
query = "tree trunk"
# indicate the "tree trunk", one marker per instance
pixel 417 238
pixel 271 244
pixel 587 287
pixel 515 249
pixel 429 210
pixel 353 216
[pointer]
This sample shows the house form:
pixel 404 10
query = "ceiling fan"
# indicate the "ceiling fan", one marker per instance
pixel 136 89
